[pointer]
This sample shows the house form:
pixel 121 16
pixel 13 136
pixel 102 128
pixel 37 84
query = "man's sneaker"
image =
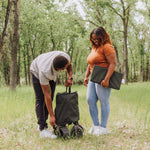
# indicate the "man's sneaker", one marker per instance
pixel 38 128
pixel 99 131
pixel 46 133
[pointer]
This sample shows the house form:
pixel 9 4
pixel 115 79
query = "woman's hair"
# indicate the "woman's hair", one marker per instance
pixel 59 62
pixel 101 35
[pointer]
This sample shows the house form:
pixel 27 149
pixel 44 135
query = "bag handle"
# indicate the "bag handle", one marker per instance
pixel 67 87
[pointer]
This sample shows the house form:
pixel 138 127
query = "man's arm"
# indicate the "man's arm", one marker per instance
pixel 47 93
pixel 69 73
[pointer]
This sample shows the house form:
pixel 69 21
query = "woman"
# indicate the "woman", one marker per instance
pixel 102 54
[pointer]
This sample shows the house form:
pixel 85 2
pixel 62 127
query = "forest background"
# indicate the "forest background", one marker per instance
pixel 31 27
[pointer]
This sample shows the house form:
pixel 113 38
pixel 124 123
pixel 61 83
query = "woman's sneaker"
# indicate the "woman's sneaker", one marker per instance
pixel 103 131
pixel 99 131
pixel 91 130
pixel 46 133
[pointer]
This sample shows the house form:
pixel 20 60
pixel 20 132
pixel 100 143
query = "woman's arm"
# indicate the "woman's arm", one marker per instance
pixel 86 76
pixel 112 63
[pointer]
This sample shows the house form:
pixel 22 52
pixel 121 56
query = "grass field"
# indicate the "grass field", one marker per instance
pixel 128 124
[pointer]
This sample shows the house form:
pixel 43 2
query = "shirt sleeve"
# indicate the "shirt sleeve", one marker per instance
pixel 108 49
pixel 43 80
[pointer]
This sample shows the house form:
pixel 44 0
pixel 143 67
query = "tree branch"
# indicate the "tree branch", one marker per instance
pixel 116 11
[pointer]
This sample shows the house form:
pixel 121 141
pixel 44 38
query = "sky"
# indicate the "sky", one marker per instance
pixel 79 7
pixel 139 18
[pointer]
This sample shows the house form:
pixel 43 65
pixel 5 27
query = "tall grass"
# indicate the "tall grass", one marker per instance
pixel 128 124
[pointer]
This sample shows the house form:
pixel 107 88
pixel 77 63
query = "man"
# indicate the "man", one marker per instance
pixel 44 70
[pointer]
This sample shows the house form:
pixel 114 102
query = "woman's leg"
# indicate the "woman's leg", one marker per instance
pixel 92 102
pixel 103 95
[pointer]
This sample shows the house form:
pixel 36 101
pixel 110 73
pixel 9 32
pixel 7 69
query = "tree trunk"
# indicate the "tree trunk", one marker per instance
pixel 133 70
pixel 141 69
pixel 149 72
pixel 2 39
pixel 32 47
pixel 118 65
pixel 147 68
pixel 25 68
pixel 125 55
pixel 52 39
pixel 28 64
pixel 125 18
pixel 18 69
pixel 14 47
pixel 6 68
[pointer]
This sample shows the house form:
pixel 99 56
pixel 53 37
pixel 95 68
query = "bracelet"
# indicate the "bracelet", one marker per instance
pixel 71 78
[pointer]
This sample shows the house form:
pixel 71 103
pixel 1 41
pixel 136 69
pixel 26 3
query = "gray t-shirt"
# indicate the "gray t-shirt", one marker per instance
pixel 42 66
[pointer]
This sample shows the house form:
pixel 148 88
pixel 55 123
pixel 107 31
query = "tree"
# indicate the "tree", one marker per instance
pixel 4 33
pixel 14 46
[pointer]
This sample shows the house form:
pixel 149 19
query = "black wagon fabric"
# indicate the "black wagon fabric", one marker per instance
pixel 99 74
pixel 67 110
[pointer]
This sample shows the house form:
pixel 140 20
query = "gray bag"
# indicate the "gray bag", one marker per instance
pixel 99 74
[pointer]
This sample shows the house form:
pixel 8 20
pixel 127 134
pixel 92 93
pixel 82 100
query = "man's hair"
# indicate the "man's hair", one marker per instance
pixel 59 62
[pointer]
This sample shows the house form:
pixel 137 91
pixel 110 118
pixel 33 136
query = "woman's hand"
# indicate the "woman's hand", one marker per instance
pixel 85 82
pixel 105 83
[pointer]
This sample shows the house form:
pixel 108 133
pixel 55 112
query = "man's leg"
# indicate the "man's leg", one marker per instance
pixel 40 102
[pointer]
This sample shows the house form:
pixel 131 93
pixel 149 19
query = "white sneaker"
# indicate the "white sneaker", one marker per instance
pixel 38 128
pixel 99 130
pixel 46 133
pixel 96 130
pixel 103 131
pixel 91 130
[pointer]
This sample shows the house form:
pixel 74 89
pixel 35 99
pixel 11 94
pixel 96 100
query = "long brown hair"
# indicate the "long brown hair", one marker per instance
pixel 101 35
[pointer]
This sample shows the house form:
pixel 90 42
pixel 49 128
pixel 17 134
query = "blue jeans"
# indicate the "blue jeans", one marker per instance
pixel 96 92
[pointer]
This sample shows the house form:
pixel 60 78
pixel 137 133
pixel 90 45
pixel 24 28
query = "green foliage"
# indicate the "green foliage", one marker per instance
pixel 51 25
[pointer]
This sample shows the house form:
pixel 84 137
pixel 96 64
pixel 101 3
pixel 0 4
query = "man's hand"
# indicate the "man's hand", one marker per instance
pixel 52 121
pixel 68 83
pixel 47 94
pixel 85 82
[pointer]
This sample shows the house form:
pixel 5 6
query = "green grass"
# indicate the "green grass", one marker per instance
pixel 129 121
